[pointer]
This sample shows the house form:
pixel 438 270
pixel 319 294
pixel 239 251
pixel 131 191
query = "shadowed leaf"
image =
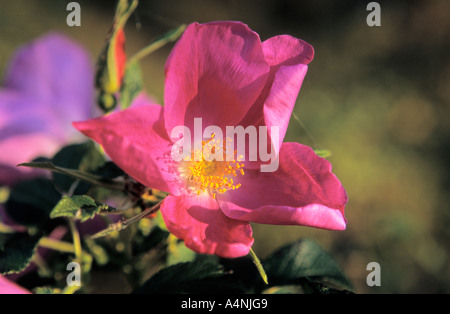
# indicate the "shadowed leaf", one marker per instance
pixel 305 260
pixel 191 277
pixel 16 251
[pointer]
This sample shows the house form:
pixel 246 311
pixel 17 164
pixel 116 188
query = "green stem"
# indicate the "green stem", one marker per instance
pixel 42 265
pixel 143 214
pixel 259 266
pixel 57 245
pixel 170 36
pixel 125 223
pixel 76 240
pixel 84 176
pixel 123 12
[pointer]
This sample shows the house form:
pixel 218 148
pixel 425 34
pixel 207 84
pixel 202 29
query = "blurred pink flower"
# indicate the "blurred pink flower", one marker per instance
pixel 9 287
pixel 48 84
pixel 222 73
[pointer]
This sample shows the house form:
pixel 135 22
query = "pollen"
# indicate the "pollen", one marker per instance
pixel 210 171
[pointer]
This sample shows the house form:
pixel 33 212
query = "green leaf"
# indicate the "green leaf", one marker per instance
pixel 324 153
pixel 30 202
pixel 199 276
pixel 81 207
pixel 16 251
pixel 132 84
pixel 84 157
pixel 302 260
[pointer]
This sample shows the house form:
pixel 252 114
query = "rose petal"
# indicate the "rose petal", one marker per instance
pixel 288 58
pixel 303 191
pixel 204 228
pixel 287 50
pixel 135 139
pixel 9 287
pixel 216 71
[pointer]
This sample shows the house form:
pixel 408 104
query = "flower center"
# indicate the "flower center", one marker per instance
pixel 204 173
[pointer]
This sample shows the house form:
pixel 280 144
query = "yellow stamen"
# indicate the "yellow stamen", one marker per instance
pixel 213 176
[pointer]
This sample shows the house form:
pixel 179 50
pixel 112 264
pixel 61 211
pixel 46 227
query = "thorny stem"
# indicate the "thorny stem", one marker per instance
pixel 125 223
pixel 143 214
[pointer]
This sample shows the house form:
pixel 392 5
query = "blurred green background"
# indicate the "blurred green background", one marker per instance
pixel 376 97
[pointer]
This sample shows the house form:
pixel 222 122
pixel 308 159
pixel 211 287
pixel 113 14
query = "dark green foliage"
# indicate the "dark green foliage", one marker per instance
pixel 308 264
pixel 199 276
pixel 30 202
pixel 16 251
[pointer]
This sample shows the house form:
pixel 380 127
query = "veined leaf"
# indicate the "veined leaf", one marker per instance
pixel 81 207
pixel 16 251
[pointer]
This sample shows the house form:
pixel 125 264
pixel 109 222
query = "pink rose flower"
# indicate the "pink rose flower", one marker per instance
pixel 223 73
